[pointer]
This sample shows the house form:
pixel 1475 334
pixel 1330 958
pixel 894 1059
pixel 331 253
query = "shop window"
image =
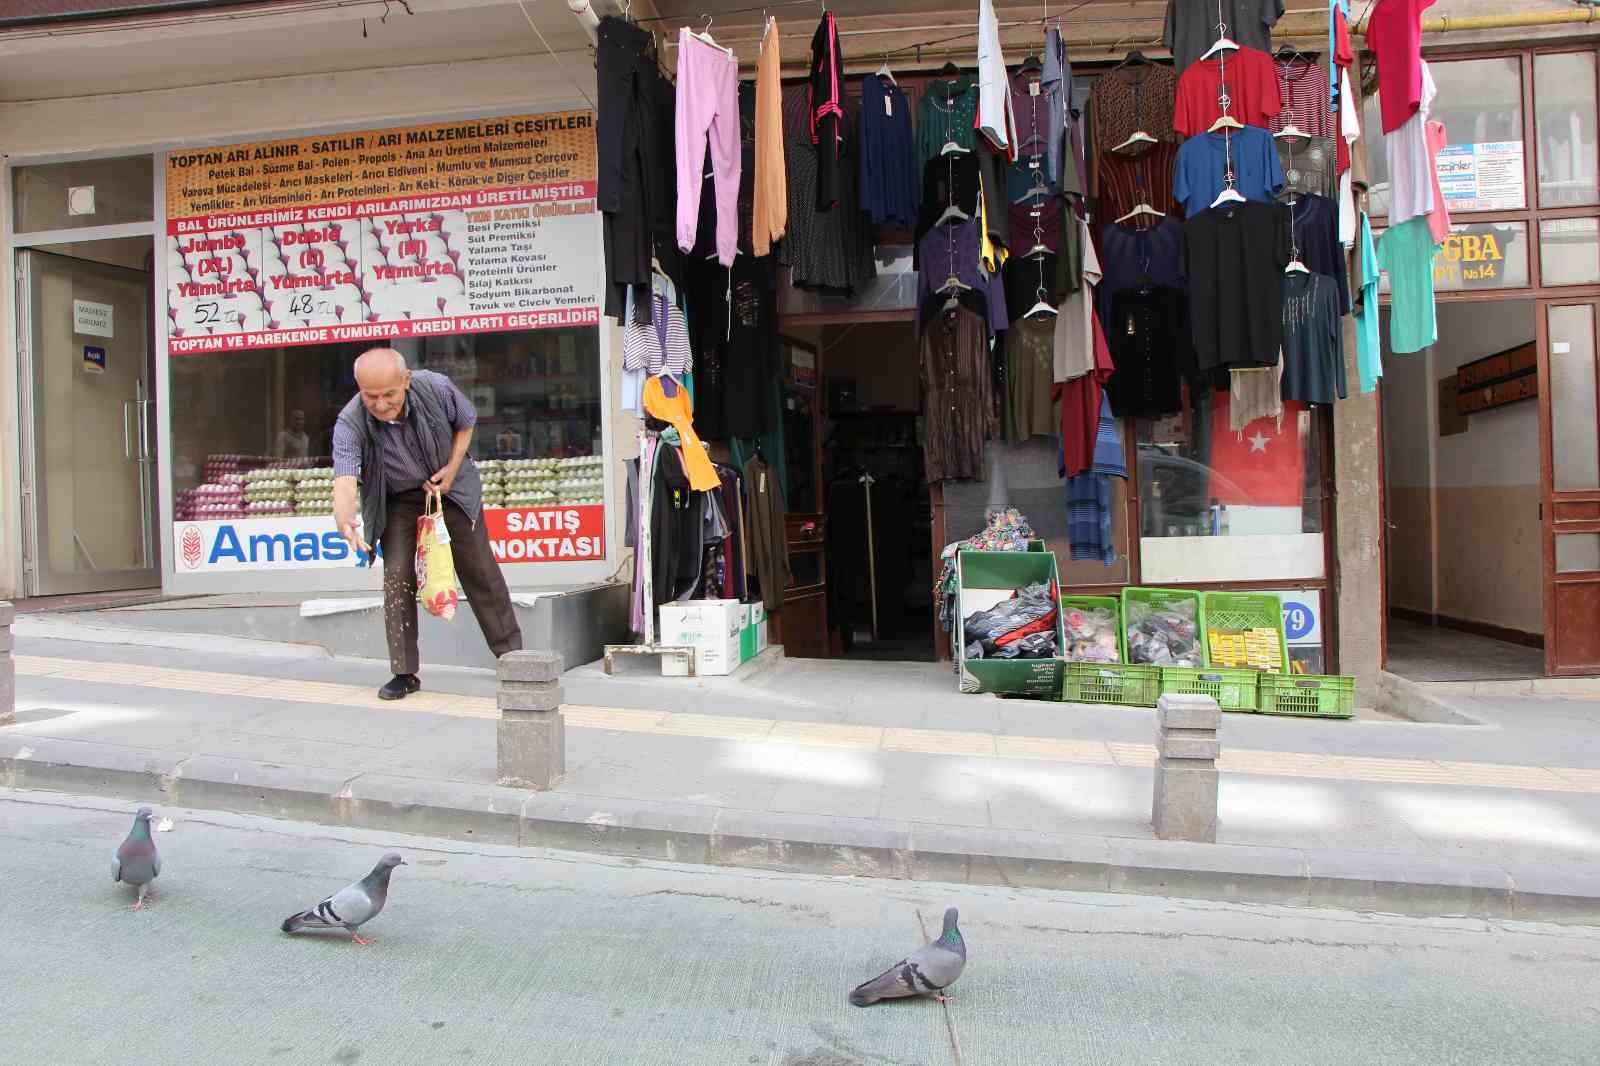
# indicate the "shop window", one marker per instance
pixel 1224 504
pixel 86 192
pixel 537 396
pixel 1564 95
pixel 1569 251
pixel 1478 255
pixel 1481 169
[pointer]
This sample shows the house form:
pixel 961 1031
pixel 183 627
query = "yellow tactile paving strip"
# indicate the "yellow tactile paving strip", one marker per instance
pixel 829 735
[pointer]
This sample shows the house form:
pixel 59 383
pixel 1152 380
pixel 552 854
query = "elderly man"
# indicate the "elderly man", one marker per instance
pixel 403 438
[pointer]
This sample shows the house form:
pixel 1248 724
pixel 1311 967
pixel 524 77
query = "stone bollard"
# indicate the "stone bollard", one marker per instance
pixel 530 741
pixel 1186 768
pixel 8 666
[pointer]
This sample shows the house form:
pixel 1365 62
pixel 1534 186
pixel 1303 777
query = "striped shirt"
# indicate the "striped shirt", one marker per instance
pixel 662 344
pixel 402 452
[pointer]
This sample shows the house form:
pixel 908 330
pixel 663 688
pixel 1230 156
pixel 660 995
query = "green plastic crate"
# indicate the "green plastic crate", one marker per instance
pixel 1244 611
pixel 1131 686
pixel 1098 603
pixel 1307 695
pixel 1234 690
pixel 1005 570
pixel 1160 598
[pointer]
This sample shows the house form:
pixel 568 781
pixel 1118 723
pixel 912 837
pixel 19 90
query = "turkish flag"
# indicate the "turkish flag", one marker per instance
pixel 1263 466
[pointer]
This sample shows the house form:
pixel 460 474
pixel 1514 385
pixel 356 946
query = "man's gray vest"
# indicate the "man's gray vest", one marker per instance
pixel 425 411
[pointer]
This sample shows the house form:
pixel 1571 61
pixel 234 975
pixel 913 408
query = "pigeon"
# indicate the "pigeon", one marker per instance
pixel 136 862
pixel 352 906
pixel 925 972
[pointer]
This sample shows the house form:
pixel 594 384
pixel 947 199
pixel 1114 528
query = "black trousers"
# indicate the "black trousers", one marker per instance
pixel 629 141
pixel 475 566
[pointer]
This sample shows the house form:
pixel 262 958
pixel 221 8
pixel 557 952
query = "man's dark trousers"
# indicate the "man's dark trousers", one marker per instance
pixel 475 566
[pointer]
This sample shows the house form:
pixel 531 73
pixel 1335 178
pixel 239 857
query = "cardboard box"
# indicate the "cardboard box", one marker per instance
pixel 984 579
pixel 713 628
pixel 758 622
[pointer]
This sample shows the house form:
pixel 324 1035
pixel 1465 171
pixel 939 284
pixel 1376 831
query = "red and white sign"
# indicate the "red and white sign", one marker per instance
pixel 546 534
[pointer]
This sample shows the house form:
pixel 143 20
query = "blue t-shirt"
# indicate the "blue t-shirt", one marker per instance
pixel 1203 161
pixel 1405 253
pixel 1369 357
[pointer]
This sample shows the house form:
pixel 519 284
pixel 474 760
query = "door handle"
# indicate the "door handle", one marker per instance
pixel 143 408
pixel 127 436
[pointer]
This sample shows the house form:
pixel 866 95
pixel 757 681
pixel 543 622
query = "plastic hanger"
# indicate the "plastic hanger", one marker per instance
pixel 1132 59
pixel 705 36
pixel 1030 64
pixel 1136 137
pixel 952 148
pixel 952 214
pixel 1041 307
pixel 1291 130
pixel 1222 43
pixel 1228 195
pixel 1295 266
pixel 885 72
pixel 1140 210
pixel 1225 121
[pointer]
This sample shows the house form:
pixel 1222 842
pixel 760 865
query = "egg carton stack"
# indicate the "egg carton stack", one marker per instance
pixel 213 501
pixel 530 482
pixel 492 473
pixel 313 491
pixel 580 480
pixel 222 465
pixel 268 492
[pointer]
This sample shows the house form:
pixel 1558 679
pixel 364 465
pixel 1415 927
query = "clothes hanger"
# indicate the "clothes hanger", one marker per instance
pixel 1291 130
pixel 1041 307
pixel 1222 43
pixel 1225 121
pixel 1140 210
pixel 885 72
pixel 1134 58
pixel 1030 64
pixel 1295 265
pixel 1136 137
pixel 952 214
pixel 950 69
pixel 705 36
pixel 1228 195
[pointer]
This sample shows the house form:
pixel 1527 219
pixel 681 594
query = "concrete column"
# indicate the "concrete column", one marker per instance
pixel 1358 519
pixel 8 667
pixel 530 740
pixel 1187 747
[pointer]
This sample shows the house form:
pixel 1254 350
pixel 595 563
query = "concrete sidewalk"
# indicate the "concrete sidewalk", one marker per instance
pixel 859 769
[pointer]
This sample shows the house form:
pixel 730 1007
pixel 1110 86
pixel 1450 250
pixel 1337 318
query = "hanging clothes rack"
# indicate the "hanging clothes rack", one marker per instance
pixel 644 568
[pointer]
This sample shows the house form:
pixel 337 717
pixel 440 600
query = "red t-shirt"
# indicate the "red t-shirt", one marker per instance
pixel 1394 33
pixel 1080 407
pixel 1252 91
pixel 1343 53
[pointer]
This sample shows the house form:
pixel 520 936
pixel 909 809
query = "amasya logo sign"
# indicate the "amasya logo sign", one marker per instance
pixel 231 548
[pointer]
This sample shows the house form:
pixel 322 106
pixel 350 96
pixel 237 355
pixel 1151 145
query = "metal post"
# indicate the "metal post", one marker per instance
pixel 1185 806
pixel 8 666
pixel 530 738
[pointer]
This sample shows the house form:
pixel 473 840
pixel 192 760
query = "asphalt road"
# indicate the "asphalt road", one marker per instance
pixel 494 955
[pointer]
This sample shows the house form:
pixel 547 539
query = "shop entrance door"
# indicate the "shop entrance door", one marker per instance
pixel 88 422
pixel 1569 418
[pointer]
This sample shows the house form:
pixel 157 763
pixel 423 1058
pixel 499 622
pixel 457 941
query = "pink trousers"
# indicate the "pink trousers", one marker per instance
pixel 708 102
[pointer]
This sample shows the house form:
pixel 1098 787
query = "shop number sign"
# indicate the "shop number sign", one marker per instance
pixel 468 227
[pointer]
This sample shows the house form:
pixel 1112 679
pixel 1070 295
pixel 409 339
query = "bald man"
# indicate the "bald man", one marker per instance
pixel 403 438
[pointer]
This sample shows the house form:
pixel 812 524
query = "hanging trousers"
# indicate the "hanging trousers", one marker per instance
pixel 708 103
pixel 475 566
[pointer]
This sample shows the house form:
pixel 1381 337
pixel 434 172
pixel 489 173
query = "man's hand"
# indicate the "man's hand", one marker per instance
pixel 443 478
pixel 347 513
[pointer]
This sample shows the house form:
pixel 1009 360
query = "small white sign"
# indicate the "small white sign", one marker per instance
pixel 91 319
pixel 1302 617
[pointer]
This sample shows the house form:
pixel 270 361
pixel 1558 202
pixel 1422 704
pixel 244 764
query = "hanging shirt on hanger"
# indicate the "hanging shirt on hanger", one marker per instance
pixel 957 394
pixel 1369 350
pixel 1151 347
pixel 1252 92
pixel 1128 180
pixel 1030 345
pixel 669 401
pixel 1313 350
pixel 1075 323
pixel 1350 133
pixel 946 113
pixel 889 177
pixel 1191 25
pixel 956 249
pixel 826 100
pixel 1056 87
pixel 1138 98
pixel 1130 257
pixel 1081 402
pixel 1316 236
pixel 1394 33
pixel 1308 166
pixel 1405 253
pixel 1411 172
pixel 1203 163
pixel 1234 257
pixel 996 120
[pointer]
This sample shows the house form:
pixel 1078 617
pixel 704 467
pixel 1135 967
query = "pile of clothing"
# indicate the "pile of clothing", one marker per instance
pixel 1091 635
pixel 1164 635
pixel 1007 531
pixel 1023 627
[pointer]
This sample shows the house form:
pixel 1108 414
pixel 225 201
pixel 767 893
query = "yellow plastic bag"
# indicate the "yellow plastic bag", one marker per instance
pixel 436 567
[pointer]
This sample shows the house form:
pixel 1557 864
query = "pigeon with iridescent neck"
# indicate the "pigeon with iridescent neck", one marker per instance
pixel 352 906
pixel 928 971
pixel 136 861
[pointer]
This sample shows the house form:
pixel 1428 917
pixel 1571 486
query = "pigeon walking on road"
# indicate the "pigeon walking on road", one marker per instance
pixel 352 906
pixel 925 972
pixel 136 861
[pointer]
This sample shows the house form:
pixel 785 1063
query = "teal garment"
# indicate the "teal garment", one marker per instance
pixel 1369 349
pixel 1405 253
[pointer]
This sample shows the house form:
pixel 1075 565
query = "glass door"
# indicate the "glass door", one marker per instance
pixel 89 482
pixel 1569 389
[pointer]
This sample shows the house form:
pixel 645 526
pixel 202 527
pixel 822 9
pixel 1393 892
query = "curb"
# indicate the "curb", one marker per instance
pixel 1426 886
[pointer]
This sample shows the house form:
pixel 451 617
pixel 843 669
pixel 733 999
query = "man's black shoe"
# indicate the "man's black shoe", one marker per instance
pixel 399 687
